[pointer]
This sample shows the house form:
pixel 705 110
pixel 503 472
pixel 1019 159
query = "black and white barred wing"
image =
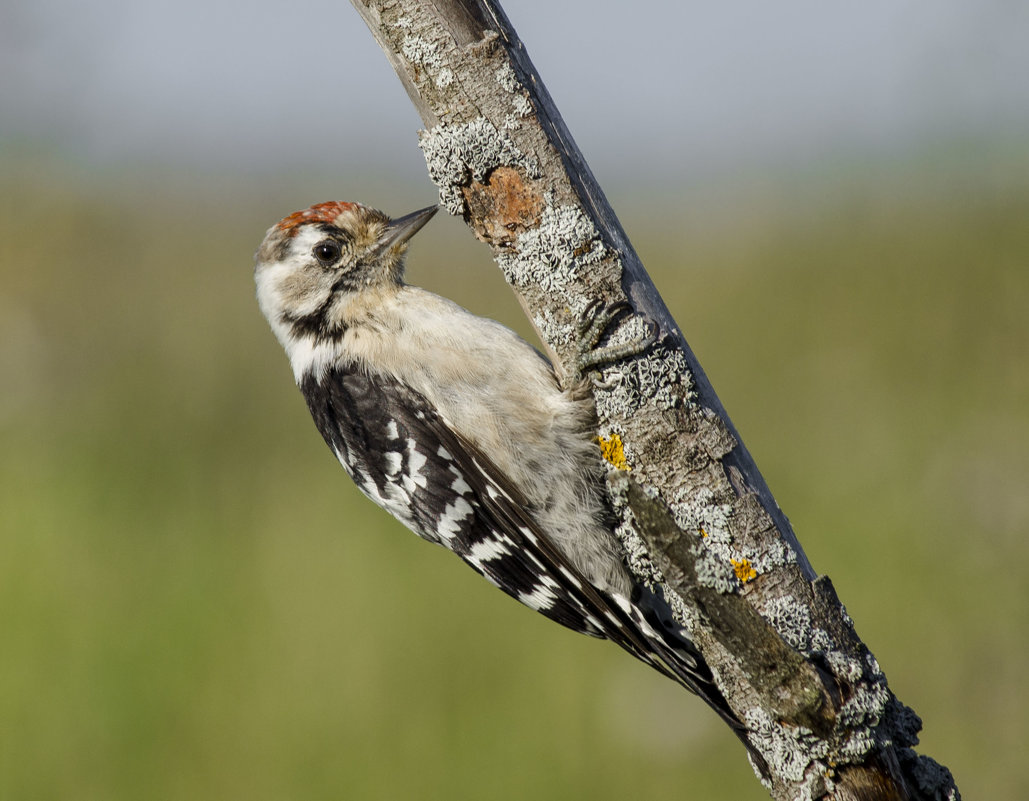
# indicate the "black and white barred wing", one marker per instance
pixel 405 458
pixel 409 461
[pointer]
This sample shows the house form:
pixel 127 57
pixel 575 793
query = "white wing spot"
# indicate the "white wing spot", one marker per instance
pixel 528 534
pixel 415 462
pixel 488 550
pixel 393 462
pixel 391 430
pixel 449 523
pixel 637 617
pixel 539 599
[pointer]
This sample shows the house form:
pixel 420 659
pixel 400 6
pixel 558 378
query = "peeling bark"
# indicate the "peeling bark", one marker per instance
pixel 696 514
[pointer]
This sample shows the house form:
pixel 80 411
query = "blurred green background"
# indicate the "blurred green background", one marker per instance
pixel 196 603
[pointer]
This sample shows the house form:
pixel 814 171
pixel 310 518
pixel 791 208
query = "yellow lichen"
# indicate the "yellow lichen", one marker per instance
pixel 743 569
pixel 612 451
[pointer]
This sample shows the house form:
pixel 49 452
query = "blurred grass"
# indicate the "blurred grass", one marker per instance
pixel 197 604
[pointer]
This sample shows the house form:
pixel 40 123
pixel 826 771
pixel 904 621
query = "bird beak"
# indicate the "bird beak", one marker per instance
pixel 403 228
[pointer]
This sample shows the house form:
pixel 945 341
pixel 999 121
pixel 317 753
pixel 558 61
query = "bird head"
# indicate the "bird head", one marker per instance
pixel 315 266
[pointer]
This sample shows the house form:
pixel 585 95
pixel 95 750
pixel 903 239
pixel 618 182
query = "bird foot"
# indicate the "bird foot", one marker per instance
pixel 596 323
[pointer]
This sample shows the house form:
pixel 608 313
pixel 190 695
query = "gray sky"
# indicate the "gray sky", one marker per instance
pixel 698 86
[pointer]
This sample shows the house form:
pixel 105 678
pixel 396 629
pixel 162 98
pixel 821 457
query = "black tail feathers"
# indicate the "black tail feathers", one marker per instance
pixel 685 664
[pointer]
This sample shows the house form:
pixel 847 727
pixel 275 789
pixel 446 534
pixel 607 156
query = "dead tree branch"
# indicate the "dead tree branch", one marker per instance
pixel 696 513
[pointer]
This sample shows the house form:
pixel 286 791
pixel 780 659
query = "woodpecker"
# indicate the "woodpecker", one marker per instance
pixel 460 429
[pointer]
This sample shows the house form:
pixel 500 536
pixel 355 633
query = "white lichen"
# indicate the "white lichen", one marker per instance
pixel 660 376
pixel 428 56
pixel 794 753
pixel 714 572
pixel 822 642
pixel 456 155
pixel 698 509
pixel 508 81
pixel 791 619
pixel 842 664
pixel 774 553
pixel 866 704
pixel 418 51
pixel 506 77
pixel 634 549
pixel 444 78
pixel 522 105
pixel 554 330
pixel 552 255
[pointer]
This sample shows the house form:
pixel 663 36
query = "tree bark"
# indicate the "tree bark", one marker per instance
pixel 696 514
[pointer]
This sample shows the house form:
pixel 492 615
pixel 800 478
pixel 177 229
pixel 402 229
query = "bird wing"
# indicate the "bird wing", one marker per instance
pixel 404 456
pixel 407 459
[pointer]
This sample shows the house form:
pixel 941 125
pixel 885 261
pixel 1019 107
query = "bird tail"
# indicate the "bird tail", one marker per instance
pixel 678 658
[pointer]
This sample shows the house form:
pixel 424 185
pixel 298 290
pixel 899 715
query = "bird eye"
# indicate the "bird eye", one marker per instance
pixel 327 252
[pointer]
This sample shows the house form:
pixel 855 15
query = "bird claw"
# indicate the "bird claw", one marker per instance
pixel 596 323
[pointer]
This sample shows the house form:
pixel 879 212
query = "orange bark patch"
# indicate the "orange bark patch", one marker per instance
pixel 503 206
